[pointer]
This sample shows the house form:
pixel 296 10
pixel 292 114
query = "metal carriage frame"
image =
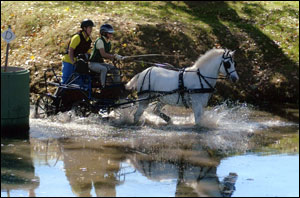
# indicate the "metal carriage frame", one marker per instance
pixel 82 92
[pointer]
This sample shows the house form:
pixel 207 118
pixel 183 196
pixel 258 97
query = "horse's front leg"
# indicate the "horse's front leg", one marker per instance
pixel 157 111
pixel 197 109
pixel 142 106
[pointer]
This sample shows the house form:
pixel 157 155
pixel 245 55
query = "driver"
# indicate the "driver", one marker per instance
pixel 101 50
pixel 80 44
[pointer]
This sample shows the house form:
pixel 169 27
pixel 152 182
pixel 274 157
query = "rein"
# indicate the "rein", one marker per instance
pixel 149 55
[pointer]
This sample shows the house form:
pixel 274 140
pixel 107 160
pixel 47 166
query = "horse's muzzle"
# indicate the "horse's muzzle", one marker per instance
pixel 234 78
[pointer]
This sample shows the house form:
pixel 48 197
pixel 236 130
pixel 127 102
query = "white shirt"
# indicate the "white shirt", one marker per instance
pixel 99 44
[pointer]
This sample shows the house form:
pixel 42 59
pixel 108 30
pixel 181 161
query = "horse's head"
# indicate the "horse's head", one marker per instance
pixel 227 66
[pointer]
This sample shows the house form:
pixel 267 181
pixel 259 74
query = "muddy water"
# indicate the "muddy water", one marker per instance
pixel 237 151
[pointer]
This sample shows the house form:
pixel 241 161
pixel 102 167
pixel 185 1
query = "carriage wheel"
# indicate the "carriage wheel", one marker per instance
pixel 82 109
pixel 45 106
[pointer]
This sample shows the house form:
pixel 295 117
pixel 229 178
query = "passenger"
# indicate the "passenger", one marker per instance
pixel 101 50
pixel 80 44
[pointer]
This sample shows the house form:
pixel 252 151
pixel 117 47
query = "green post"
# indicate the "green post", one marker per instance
pixel 15 105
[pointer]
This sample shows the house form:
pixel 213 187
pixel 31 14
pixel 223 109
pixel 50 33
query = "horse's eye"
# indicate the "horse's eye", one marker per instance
pixel 227 65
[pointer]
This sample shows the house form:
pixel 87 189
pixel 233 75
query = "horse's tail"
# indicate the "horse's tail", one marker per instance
pixel 132 84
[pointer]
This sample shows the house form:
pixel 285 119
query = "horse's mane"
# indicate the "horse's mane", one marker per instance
pixel 203 59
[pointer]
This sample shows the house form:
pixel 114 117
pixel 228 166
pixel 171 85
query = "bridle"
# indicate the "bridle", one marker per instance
pixel 226 62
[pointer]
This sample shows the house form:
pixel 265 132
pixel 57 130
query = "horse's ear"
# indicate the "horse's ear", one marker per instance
pixel 232 52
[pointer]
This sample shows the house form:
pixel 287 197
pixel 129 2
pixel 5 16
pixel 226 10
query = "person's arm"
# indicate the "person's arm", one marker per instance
pixel 106 55
pixel 74 43
pixel 71 54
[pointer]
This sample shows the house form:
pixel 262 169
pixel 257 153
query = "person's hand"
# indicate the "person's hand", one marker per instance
pixel 119 57
pixel 87 56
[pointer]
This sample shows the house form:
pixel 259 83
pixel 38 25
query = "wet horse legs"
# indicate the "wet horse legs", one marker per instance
pixel 142 106
pixel 157 111
pixel 198 110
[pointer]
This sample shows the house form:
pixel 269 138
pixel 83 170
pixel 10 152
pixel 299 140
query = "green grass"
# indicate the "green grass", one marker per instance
pixel 277 20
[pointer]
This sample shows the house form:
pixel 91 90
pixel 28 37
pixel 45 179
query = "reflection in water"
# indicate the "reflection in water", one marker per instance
pixel 89 165
pixel 192 166
pixel 89 157
pixel 17 170
pixel 97 164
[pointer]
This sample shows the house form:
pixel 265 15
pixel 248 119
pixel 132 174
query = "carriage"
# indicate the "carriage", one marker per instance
pixel 190 87
pixel 82 92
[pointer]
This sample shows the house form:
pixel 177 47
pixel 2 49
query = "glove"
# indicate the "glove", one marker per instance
pixel 119 57
pixel 87 56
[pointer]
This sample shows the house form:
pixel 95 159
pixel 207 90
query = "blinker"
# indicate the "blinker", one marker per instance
pixel 227 65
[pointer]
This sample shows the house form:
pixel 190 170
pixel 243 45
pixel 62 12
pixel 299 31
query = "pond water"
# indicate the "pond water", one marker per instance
pixel 237 151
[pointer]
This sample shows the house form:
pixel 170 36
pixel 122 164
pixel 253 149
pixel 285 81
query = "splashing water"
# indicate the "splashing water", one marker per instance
pixel 225 127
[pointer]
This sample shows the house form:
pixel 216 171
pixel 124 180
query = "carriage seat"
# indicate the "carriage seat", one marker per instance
pixel 81 67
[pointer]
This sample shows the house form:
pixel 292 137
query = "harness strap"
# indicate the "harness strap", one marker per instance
pixel 149 85
pixel 201 76
pixel 149 71
pixel 161 93
pixel 181 88
pixel 164 93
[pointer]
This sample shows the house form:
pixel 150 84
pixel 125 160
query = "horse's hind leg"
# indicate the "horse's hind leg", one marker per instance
pixel 157 111
pixel 142 106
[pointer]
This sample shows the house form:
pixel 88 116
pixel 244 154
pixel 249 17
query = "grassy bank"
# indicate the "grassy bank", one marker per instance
pixel 265 35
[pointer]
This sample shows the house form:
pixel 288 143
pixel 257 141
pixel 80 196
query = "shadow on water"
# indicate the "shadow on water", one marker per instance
pixel 17 168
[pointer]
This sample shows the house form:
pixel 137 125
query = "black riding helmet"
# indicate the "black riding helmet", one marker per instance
pixel 87 23
pixel 106 28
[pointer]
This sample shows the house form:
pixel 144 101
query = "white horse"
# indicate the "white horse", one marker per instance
pixel 193 89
